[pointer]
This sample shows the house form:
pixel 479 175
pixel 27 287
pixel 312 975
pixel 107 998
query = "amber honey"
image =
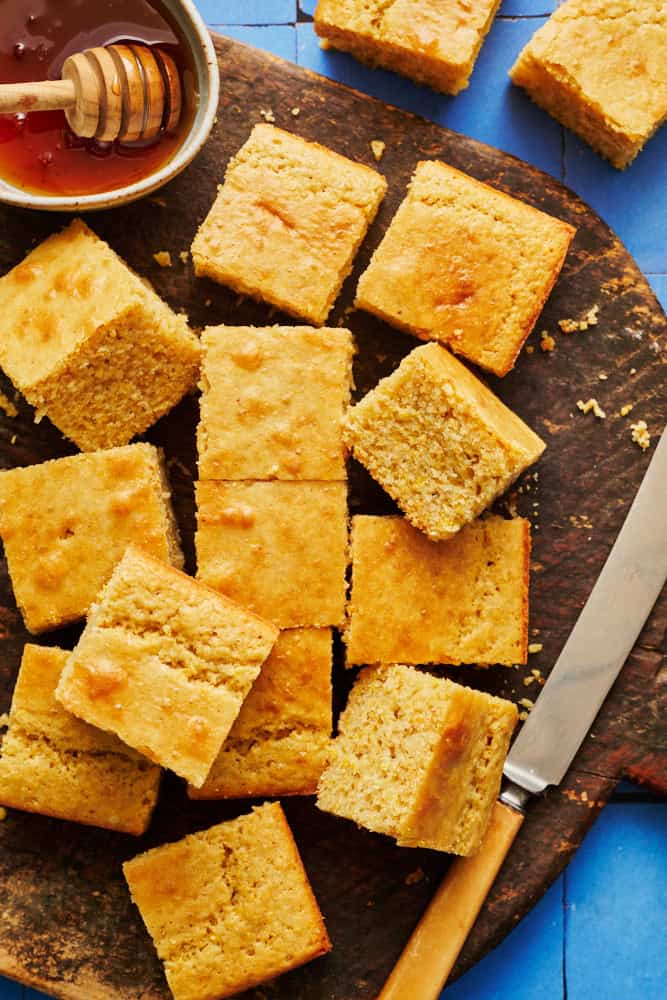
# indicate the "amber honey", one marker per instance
pixel 39 152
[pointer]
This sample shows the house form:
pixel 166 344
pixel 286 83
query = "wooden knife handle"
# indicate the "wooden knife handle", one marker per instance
pixel 428 957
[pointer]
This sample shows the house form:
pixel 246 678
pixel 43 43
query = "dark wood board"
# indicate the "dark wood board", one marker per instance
pixel 67 924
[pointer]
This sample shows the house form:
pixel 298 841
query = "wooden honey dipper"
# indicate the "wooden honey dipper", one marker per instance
pixel 125 92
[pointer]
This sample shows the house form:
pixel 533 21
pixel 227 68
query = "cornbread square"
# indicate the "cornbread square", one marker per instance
pixel 436 44
pixel 465 264
pixel 287 222
pixel 67 522
pixel 464 600
pixel 55 764
pixel 600 68
pixel 273 401
pixel 89 343
pixel 230 907
pixel 278 548
pixel 418 758
pixel 165 664
pixel 438 441
pixel 279 742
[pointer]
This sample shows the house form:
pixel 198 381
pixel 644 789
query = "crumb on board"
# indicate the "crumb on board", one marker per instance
pixel 523 715
pixel 633 371
pixel 547 342
pixel 530 349
pixel 7 406
pixel 412 878
pixel 591 405
pixel 575 325
pixel 268 115
pixel 527 681
pixel 626 409
pixel 640 434
pixel 527 703
pixel 208 302
pixel 184 256
pixel 377 148
pixel 163 258
pixel 535 647
pixel 603 377
pixel 13 439
pixel 295 112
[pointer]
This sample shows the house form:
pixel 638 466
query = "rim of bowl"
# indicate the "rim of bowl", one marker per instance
pixel 208 74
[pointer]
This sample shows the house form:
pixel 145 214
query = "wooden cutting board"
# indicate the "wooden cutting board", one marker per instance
pixel 67 925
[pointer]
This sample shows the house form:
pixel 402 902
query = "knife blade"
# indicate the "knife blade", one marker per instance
pixel 601 641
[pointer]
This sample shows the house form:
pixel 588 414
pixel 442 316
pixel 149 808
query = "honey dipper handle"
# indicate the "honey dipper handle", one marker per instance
pixel 428 957
pixel 49 95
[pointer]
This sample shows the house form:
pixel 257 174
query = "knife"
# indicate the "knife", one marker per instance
pixel 598 646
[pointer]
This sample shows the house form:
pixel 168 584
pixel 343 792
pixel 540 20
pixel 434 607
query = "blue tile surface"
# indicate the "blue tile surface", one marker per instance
pixel 248 11
pixel 280 40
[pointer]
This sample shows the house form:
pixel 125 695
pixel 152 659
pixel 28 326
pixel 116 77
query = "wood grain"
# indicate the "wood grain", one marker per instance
pixel 68 926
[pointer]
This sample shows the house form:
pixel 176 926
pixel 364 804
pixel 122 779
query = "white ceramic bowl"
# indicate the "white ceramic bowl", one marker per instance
pixel 197 39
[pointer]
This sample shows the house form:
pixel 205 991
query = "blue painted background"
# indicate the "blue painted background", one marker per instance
pixel 600 930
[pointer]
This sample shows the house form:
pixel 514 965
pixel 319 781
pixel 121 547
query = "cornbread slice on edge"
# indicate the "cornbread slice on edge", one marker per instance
pixel 418 758
pixel 599 67
pixel 290 387
pixel 89 344
pixel 279 742
pixel 436 44
pixel 464 600
pixel 466 265
pixel 438 441
pixel 287 222
pixel 278 548
pixel 67 522
pixel 230 907
pixel 54 764
pixel 165 663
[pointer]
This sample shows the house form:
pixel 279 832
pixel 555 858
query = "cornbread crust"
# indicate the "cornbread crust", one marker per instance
pixel 89 343
pixel 599 68
pixel 290 387
pixel 279 742
pixel 435 44
pixel 418 758
pixel 287 222
pixel 438 441
pixel 52 763
pixel 66 523
pixel 165 663
pixel 278 548
pixel 229 907
pixel 464 600
pixel 465 264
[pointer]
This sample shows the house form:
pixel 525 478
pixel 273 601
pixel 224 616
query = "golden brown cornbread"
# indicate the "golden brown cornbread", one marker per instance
pixel 290 387
pixel 418 758
pixel 229 907
pixel 67 522
pixel 464 600
pixel 432 43
pixel 55 764
pixel 279 742
pixel 599 67
pixel 465 264
pixel 89 343
pixel 438 441
pixel 165 663
pixel 278 548
pixel 287 222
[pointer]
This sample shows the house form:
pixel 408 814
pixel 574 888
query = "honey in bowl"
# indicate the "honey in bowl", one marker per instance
pixel 38 151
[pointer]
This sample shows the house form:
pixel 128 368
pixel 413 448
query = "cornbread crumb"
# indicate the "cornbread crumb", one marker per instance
pixel 579 325
pixel 163 258
pixel 527 703
pixel 523 715
pixel 54 764
pixel 295 112
pixel 7 406
pixel 547 342
pixel 165 664
pixel 640 434
pixel 443 270
pixel 438 441
pixel 268 115
pixel 633 371
pixel 418 758
pixel 597 67
pixel 290 386
pixel 229 907
pixel 66 523
pixel 530 348
pixel 377 148
pixel 85 340
pixel 288 200
pixel 437 45
pixel 603 377
pixel 535 647
pixel 413 878
pixel 464 600
pixel 591 406
pixel 626 409
pixel 278 744
pixel 184 256
pixel 527 681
